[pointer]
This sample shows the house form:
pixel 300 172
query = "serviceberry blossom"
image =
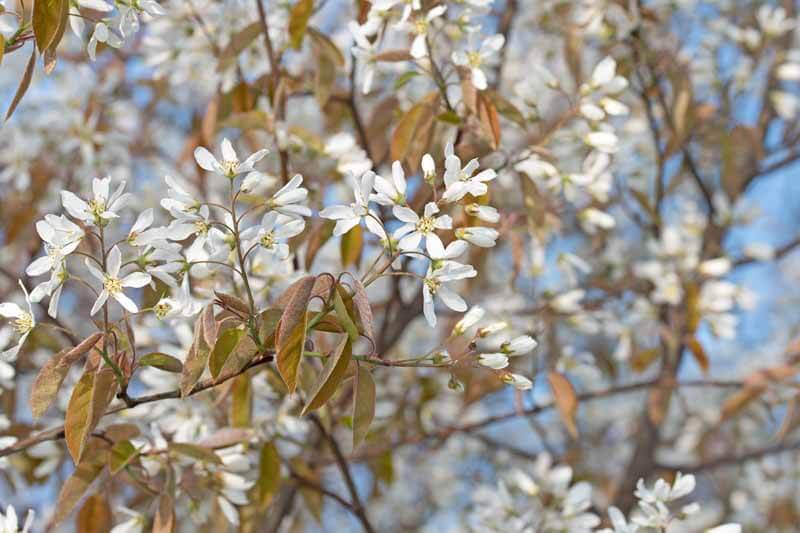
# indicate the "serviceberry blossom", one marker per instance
pixel 101 208
pixel 420 26
pixel 349 216
pixel 113 285
pixel 415 228
pixel 23 323
pixel 434 284
pixel 288 199
pixel 273 230
pixel 475 59
pixel 229 166
pixel 392 191
pixel 460 181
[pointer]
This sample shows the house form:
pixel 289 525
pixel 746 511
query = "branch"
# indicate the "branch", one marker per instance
pixel 57 433
pixel 357 506
pixel 728 460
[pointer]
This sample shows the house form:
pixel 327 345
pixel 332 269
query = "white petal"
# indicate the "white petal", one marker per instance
pixel 114 262
pixel 205 159
pixel 136 280
pixel 101 299
pixel 125 302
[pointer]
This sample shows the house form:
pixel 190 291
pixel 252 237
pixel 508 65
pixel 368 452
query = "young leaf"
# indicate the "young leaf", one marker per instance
pixel 76 485
pixel 410 138
pixel 241 402
pixel 331 376
pixel 351 245
pixel 201 453
pixel 242 353
pixel 363 404
pixel 226 343
pixel 298 21
pixel 291 337
pixel 164 521
pixel 121 454
pixel 52 374
pixel 363 309
pixel 24 83
pixel 94 516
pixel 487 113
pixel 196 359
pixel 343 315
pixel 566 400
pixel 46 21
pixel 269 474
pixel 162 361
pixel 86 406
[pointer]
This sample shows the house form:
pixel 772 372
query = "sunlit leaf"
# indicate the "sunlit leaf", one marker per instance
pixel 331 376
pixel 291 338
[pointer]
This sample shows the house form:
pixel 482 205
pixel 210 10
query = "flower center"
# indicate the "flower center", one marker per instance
pixel 161 309
pixel 230 167
pixel 268 240
pixel 433 284
pixel 97 207
pixel 421 27
pixel 201 226
pixel 474 59
pixel 24 323
pixel 112 285
pixel 426 225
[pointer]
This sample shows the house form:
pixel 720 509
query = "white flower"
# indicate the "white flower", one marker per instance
pixel 61 237
pixel 102 34
pixel 52 288
pixel 605 141
pixel 274 229
pixel 459 181
pixel 517 381
pixel 786 104
pixel 179 201
pixel 22 321
pixel 468 320
pixel 495 361
pixel 139 235
pixel 420 27
pixel 428 168
pixel 349 216
pixel 725 528
pixel 592 218
pixel 365 52
pixel 287 200
pixel 773 20
pixel 391 192
pixel 475 60
pixel 478 235
pixel 434 285
pixel 788 72
pixel 135 524
pixel 230 165
pixel 102 207
pixel 519 345
pixel 568 302
pixel 441 256
pixel 10 524
pixel 416 227
pixel 113 285
pixel 486 213
pixel 715 267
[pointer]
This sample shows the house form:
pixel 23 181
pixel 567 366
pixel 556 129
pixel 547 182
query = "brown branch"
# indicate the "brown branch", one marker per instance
pixel 733 459
pixel 357 506
pixel 58 432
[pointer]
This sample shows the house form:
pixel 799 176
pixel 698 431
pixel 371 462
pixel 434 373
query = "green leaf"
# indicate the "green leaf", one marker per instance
pixel 122 453
pixel 268 326
pixel 343 315
pixel 405 78
pixel 241 401
pixel 194 451
pixel 225 345
pixel 449 117
pixel 331 376
pixel 363 405
pixel 298 21
pixel 240 356
pixel 238 43
pixel 162 361
pixel 269 474
pixel 351 245
pixel 363 309
pixel 86 406
pixel 46 21
pixel 291 338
